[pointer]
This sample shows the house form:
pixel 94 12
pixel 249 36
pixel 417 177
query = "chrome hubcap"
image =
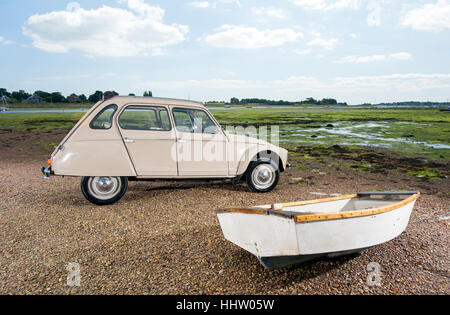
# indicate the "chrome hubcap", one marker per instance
pixel 263 176
pixel 104 187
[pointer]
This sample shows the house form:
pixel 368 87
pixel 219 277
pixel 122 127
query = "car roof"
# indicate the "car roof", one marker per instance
pixel 154 101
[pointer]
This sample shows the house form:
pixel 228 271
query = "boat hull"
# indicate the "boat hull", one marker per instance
pixel 286 261
pixel 352 233
pixel 283 238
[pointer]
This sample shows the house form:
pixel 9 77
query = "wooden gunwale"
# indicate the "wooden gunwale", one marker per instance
pixel 355 213
pixel 310 202
pixel 314 217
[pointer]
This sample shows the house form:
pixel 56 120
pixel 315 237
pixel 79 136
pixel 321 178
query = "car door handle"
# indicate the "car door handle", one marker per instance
pixel 181 140
pixel 128 140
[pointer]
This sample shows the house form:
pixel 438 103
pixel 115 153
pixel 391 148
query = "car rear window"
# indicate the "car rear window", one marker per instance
pixel 103 120
pixel 145 118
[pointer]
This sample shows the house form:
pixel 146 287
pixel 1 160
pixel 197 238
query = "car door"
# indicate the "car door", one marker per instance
pixel 201 144
pixel 150 140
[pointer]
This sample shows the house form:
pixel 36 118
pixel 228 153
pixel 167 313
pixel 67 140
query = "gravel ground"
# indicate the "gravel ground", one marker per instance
pixel 164 238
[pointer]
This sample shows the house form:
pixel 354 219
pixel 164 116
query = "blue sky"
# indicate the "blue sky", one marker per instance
pixel 353 50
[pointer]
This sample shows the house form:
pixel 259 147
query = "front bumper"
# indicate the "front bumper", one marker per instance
pixel 47 171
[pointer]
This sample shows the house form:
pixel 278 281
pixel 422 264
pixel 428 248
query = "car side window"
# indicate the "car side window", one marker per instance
pixel 145 118
pixel 103 120
pixel 203 123
pixel 183 120
pixel 194 120
pixel 165 120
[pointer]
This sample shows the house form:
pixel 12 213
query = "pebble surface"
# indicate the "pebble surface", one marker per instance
pixel 164 238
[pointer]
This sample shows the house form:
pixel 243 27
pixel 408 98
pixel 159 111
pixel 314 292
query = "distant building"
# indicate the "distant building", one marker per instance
pixel 34 99
pixel 4 99
pixel 73 98
pixel 4 102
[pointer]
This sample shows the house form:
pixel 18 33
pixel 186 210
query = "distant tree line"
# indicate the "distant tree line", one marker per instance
pixel 411 103
pixel 309 101
pixel 55 97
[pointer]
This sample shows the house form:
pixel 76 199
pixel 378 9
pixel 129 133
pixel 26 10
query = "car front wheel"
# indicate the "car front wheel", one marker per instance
pixel 263 175
pixel 104 190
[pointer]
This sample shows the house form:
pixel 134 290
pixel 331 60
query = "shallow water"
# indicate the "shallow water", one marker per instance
pixel 43 111
pixel 367 137
pixel 388 135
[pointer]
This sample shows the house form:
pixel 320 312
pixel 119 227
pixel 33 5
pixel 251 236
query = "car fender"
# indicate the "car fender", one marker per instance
pixel 262 150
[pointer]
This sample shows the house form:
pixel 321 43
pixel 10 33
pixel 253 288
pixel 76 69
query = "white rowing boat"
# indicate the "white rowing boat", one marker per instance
pixel 285 234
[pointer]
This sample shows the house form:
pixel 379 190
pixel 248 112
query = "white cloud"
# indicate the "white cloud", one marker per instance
pixel 328 4
pixel 303 51
pixel 105 31
pixel 236 2
pixel 246 37
pixel 352 89
pixel 429 17
pixel 210 84
pixel 401 56
pixel 158 52
pixel 398 82
pixel 403 82
pixel 374 17
pixel 375 58
pixel 5 42
pixel 72 6
pixel 270 12
pixel 200 4
pixel 328 44
pixel 212 4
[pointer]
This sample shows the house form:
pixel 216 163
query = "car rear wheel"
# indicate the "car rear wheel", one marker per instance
pixel 263 175
pixel 104 190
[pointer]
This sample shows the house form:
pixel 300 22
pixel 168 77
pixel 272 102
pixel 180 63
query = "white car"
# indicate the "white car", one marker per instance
pixel 145 138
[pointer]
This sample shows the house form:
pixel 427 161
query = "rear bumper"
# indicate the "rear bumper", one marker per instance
pixel 47 171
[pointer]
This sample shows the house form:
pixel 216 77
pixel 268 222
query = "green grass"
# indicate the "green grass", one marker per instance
pixel 39 121
pixel 310 116
pixel 413 132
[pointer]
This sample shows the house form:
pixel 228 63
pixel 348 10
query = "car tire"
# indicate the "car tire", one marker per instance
pixel 104 190
pixel 263 175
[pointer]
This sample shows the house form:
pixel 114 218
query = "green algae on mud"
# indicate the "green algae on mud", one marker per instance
pixel 427 173
pixel 412 132
pixel 373 160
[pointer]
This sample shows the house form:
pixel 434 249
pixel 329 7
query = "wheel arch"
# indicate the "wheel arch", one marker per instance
pixel 258 154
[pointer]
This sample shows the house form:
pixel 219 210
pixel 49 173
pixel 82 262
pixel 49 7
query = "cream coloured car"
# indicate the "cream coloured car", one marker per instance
pixel 145 138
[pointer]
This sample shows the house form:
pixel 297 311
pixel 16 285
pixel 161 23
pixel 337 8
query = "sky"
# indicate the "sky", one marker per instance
pixel 356 51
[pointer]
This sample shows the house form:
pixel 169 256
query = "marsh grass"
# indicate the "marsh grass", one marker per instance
pixel 413 132
pixel 42 122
